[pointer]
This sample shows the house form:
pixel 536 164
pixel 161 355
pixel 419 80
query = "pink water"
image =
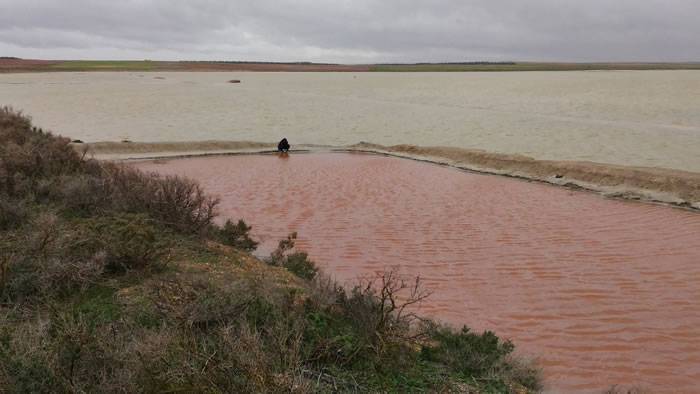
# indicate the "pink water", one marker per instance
pixel 600 292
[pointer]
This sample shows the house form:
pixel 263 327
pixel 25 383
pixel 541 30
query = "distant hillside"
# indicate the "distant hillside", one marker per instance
pixel 12 64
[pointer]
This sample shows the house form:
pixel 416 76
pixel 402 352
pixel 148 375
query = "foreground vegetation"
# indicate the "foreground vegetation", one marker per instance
pixel 112 280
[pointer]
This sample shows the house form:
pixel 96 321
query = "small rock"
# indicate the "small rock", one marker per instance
pixel 77 141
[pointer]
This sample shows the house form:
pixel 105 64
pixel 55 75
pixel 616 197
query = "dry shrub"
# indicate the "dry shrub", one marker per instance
pixel 372 324
pixel 212 305
pixel 381 308
pixel 28 154
pixel 231 358
pixel 231 337
pixel 25 359
pixel 277 256
pixel 324 292
pixel 80 194
pixel 34 163
pixel 64 276
pixel 177 202
pixel 64 351
pixel 44 263
pixel 30 278
pixel 12 213
pixel 375 326
pixel 58 257
pixel 113 358
pixel 44 234
pixel 198 302
pixel 5 261
pixel 616 389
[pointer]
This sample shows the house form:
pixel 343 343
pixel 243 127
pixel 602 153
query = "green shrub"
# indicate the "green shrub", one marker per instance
pixel 469 353
pixel 479 355
pixel 236 235
pixel 29 374
pixel 297 263
pixel 129 241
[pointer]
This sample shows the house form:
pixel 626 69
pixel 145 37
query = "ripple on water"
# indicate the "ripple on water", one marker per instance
pixel 601 292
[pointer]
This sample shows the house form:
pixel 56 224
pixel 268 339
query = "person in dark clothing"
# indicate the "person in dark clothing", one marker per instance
pixel 283 146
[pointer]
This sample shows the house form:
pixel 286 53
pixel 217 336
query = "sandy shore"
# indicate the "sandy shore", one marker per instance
pixel 674 187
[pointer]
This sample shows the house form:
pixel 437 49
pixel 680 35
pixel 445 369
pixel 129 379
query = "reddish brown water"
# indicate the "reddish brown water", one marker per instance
pixel 601 292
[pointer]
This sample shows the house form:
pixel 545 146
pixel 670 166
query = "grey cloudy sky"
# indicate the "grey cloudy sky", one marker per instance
pixel 352 31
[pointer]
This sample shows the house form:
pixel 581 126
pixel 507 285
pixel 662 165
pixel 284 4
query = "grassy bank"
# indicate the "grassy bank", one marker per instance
pixel 113 280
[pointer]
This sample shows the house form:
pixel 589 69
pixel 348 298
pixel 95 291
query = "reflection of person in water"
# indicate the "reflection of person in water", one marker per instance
pixel 283 146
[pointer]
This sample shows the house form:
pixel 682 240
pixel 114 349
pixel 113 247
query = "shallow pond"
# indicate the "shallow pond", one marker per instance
pixel 601 291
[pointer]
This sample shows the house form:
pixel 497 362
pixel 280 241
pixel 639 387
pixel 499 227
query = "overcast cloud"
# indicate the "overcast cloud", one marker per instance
pixel 352 31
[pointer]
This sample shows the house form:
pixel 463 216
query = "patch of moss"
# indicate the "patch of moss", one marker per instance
pixel 98 304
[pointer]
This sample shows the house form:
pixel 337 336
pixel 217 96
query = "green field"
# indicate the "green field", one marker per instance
pixel 19 65
pixel 147 65
pixel 109 65
pixel 526 66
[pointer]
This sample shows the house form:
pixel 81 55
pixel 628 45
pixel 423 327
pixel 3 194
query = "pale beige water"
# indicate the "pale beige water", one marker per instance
pixel 643 118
